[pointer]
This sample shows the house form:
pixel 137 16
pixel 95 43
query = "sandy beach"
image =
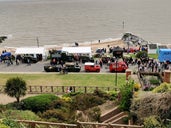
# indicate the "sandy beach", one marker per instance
pixel 94 46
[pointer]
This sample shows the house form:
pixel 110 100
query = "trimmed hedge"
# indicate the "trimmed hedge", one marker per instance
pixel 38 103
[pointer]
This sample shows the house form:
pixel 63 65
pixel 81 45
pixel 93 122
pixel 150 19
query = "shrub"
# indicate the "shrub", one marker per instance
pixel 85 101
pixel 3 126
pixel 11 123
pixel 59 104
pixel 112 95
pixel 71 94
pixel 109 95
pixel 58 115
pixel 94 114
pixel 2 108
pixel 20 115
pixel 154 81
pixel 137 87
pixel 148 87
pixel 164 87
pixel 38 103
pixel 126 93
pixel 152 104
pixel 66 99
pixel 153 122
pixel 102 94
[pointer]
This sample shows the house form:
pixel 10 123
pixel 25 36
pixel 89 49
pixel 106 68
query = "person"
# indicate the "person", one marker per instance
pixel 101 63
pixel 28 61
pixel 70 89
pixel 10 60
pixel 17 59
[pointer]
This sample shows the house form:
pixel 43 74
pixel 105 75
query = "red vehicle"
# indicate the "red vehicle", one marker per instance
pixel 91 67
pixel 119 66
pixel 133 49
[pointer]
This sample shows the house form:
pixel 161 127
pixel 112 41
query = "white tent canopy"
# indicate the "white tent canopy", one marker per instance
pixel 77 50
pixel 31 50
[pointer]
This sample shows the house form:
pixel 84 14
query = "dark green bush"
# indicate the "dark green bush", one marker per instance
pixel 2 108
pixel 71 94
pixel 59 104
pixel 94 114
pixel 57 115
pixel 113 95
pixel 101 94
pixel 106 95
pixel 38 103
pixel 20 115
pixel 11 123
pixel 85 101
pixel 154 81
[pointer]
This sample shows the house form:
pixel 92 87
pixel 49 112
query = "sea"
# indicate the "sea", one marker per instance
pixel 64 22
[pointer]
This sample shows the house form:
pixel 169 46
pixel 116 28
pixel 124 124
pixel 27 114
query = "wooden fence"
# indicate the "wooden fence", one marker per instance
pixel 63 89
pixel 40 124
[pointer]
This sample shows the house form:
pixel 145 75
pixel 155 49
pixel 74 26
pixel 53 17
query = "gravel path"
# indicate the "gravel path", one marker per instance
pixel 4 99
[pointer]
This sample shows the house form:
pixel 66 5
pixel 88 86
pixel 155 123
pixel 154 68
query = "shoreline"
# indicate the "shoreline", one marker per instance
pixel 106 43
pixel 94 45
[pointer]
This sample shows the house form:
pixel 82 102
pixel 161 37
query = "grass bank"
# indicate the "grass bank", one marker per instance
pixel 100 80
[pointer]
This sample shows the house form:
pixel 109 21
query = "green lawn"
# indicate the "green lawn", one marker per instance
pixel 100 80
pixel 155 56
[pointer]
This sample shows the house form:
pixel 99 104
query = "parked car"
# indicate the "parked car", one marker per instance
pixel 52 68
pixel 72 67
pixel 118 67
pixel 29 58
pixel 91 67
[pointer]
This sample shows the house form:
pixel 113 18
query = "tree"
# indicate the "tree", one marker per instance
pixel 15 87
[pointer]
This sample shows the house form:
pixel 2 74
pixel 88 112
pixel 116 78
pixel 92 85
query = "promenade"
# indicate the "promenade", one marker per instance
pixel 36 68
pixel 23 67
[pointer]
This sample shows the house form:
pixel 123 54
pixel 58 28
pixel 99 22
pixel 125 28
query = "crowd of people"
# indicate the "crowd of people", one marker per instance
pixel 148 64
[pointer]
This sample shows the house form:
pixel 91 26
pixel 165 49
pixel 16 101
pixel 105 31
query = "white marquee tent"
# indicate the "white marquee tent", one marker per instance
pixel 31 50
pixel 78 50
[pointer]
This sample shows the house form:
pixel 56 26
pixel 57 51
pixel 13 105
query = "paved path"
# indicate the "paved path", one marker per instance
pixel 34 68
pixel 37 67
pixel 4 99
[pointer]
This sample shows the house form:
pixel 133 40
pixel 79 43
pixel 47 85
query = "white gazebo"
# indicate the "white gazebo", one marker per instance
pixel 78 50
pixel 31 50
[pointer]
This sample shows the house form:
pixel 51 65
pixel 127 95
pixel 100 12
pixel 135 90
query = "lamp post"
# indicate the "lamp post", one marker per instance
pixel 116 72
pixel 123 26
pixel 37 42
